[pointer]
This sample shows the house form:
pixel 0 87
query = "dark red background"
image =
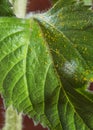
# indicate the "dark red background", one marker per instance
pixel 33 5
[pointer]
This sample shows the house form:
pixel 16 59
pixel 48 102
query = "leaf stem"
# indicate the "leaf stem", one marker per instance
pixel 19 7
pixel 13 120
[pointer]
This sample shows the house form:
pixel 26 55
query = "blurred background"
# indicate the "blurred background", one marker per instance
pixel 33 5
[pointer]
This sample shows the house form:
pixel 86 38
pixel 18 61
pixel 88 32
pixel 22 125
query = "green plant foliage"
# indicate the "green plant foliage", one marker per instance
pixel 5 9
pixel 27 71
pixel 88 2
pixel 46 66
pixel 68 32
pixel 54 1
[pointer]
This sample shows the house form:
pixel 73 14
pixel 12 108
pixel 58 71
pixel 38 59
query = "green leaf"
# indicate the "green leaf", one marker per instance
pixel 28 80
pixel 5 8
pixel 68 32
pixel 88 2
pixel 54 1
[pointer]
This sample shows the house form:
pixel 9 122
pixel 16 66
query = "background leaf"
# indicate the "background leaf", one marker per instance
pixel 54 1
pixel 88 2
pixel 5 8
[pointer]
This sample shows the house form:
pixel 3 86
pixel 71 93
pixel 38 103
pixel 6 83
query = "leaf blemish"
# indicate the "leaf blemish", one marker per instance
pixel 70 67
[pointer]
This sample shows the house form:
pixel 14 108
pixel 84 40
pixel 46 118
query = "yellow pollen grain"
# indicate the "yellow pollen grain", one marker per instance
pixel 91 79
pixel 64 46
pixel 85 49
pixel 45 63
pixel 40 35
pixel 57 51
pixel 85 79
